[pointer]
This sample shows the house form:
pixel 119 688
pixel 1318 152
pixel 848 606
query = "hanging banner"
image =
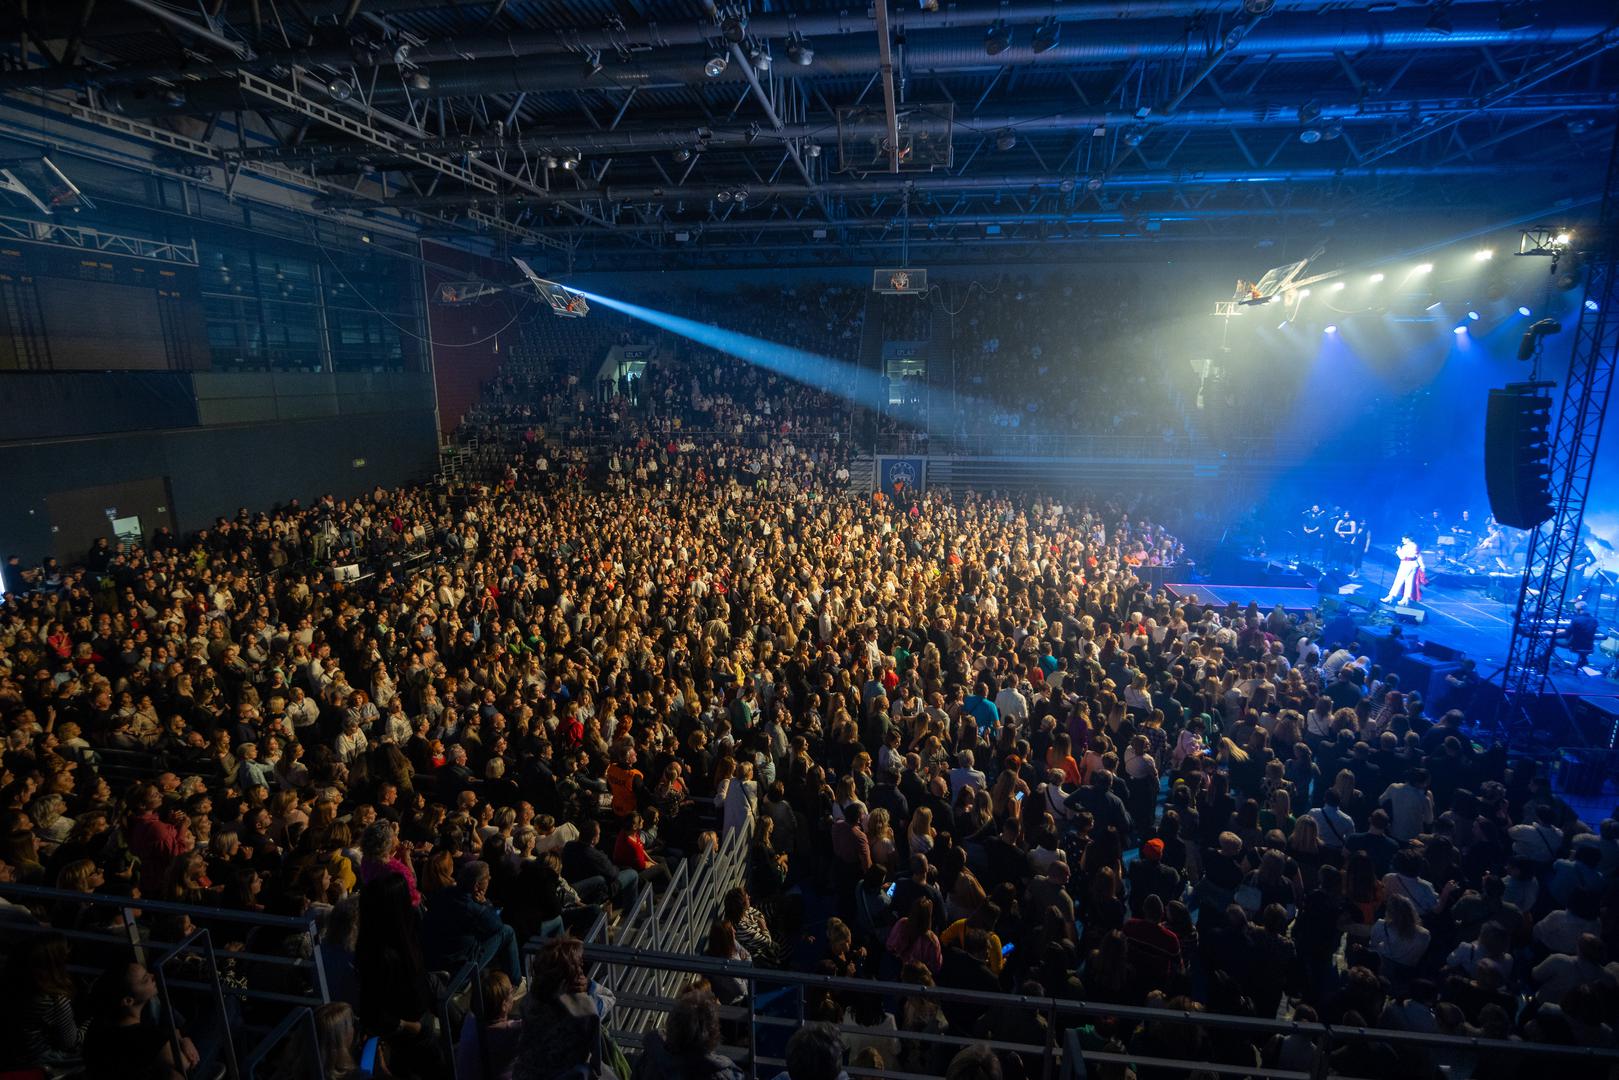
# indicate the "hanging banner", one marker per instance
pixel 899 475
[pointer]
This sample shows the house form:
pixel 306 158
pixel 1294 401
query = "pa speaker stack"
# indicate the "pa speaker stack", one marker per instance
pixel 1516 452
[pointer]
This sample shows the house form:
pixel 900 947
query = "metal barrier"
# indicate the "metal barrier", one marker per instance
pixel 676 922
pixel 131 937
pixel 299 1020
pixel 1058 1054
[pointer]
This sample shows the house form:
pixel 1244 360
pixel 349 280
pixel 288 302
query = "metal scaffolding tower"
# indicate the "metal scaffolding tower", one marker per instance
pixel 1575 435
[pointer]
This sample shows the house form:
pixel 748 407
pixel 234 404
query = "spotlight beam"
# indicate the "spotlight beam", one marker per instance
pixel 854 384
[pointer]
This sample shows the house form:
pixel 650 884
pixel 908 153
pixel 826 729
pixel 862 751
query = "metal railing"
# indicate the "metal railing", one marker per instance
pixel 145 949
pixel 297 1022
pixel 1057 1056
pixel 677 921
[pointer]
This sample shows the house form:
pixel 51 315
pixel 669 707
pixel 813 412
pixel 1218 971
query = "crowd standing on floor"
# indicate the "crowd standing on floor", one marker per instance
pixel 970 749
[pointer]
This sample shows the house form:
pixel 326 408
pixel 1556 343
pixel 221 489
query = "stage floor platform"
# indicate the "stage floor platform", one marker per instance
pixel 1462 619
pixel 1266 596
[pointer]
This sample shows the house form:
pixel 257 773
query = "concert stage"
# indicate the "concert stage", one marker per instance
pixel 1458 623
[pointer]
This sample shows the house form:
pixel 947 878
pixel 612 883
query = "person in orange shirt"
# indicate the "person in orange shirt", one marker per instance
pixel 624 780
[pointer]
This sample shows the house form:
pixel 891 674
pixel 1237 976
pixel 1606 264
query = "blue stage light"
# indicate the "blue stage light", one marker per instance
pixel 1331 329
pixel 1473 316
pixel 1460 330
pixel 1525 312
pixel 861 386
pixel 1590 305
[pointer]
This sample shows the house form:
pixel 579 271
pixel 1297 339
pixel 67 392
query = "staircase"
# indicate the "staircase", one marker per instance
pixel 862 474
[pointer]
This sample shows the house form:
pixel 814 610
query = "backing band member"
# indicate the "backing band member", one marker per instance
pixel 1315 522
pixel 1405 582
pixel 1344 530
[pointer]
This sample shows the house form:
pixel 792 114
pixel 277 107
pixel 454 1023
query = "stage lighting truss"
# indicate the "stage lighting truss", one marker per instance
pixel 564 301
pixel 44 185
pixel 1545 240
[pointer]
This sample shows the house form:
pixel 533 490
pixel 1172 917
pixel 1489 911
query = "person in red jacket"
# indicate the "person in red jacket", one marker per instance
pixel 156 841
pixel 629 852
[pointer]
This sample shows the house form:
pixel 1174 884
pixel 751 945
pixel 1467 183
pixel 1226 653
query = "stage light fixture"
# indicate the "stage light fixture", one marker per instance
pixel 813 150
pixel 735 28
pixel 1460 330
pixel 1374 279
pixel 1310 136
pixel 1303 293
pixel 1483 254
pixel 716 65
pixel 1006 140
pixel 1046 34
pixel 570 163
pixel 340 88
pixel 682 155
pixel 998 38
pixel 1422 268
pixel 1591 305
pixel 1337 286
pixel 550 162
pixel 1525 312
pixel 1331 328
pixel 1563 239
pixel 799 51
pixel 723 195
pixel 1516 15
pixel 1472 316
pixel 759 58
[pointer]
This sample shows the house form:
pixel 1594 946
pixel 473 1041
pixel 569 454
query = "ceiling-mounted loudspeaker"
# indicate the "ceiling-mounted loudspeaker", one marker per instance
pixel 998 38
pixel 1048 32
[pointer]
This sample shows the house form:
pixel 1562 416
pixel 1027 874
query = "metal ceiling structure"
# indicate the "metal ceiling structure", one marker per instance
pixel 606 134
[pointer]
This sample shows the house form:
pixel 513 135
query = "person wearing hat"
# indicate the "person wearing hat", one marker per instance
pixel 1149 876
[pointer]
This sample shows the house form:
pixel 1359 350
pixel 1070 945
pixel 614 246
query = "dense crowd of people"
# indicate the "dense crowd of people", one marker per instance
pixel 968 747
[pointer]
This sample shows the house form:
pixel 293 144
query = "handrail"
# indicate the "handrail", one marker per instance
pixel 40 892
pixel 201 914
pixel 303 1017
pixel 710 966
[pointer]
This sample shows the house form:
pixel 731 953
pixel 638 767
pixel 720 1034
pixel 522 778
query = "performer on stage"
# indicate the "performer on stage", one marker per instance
pixel 1344 530
pixel 1406 581
pixel 1315 525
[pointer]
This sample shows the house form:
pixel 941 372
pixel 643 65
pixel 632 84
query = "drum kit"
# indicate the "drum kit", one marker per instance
pixel 1608 647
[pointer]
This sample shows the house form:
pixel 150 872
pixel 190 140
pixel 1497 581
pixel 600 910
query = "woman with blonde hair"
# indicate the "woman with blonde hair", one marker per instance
pixel 880 834
pixel 920 834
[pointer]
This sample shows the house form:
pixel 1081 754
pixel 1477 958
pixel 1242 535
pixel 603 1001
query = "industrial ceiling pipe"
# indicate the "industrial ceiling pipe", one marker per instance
pixel 1034 121
pixel 581 40
pixel 1322 35
pixel 935 183
pixel 1568 23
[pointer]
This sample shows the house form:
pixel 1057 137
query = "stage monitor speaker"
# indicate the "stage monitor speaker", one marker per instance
pixel 1441 652
pixel 1425 673
pixel 1516 450
pixel 1410 614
